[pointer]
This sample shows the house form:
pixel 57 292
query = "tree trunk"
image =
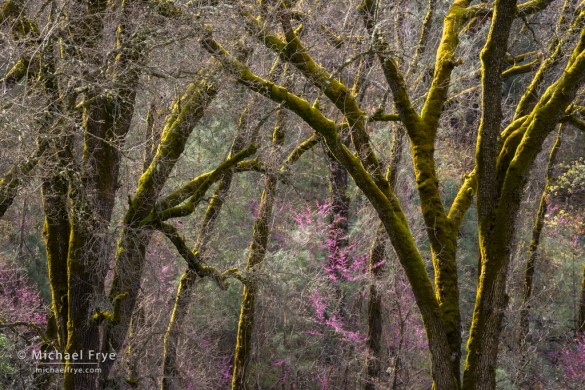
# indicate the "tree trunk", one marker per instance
pixel 134 238
pixel 581 317
pixel 56 233
pixel 180 309
pixel 261 232
pixel 533 254
pixel 377 266
pixel 337 257
pixel 170 380
pixel 494 241
pixel 375 356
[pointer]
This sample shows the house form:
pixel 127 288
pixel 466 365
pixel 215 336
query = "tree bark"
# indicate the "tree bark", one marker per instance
pixel 134 238
pixel 260 234
pixel 180 309
pixel 533 249
pixel 522 141
pixel 377 267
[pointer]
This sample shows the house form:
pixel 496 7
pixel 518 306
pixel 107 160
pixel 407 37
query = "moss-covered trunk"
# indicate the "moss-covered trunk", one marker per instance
pixel 106 124
pixel 422 129
pixel 56 234
pixel 534 245
pixel 54 191
pixel 499 195
pixel 442 234
pixel 134 238
pixel 377 266
pixel 92 203
pixel 174 329
pixel 260 234
pixel 494 239
pixel 491 302
pixel 82 330
pixel 243 349
pixel 171 378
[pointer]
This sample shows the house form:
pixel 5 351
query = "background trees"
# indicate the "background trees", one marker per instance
pixel 137 130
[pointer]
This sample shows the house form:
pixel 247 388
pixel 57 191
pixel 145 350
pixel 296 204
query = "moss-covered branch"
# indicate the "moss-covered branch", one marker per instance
pixel 521 69
pixel 575 121
pixel 534 244
pixel 463 200
pixel 301 149
pixel 392 73
pixel 556 53
pixel 194 261
pixel 17 72
pixel 385 203
pixel 113 317
pixel 256 255
pixel 382 117
pixel 186 111
pixel 495 242
pixel 424 37
pixel 196 188
pixel 310 114
pixel 444 64
pixel 293 51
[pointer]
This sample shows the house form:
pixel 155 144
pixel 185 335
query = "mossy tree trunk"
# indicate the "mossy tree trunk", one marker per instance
pixel 377 266
pixel 134 238
pixel 493 57
pixel 422 129
pixel 374 185
pixel 106 122
pixel 533 250
pixel 171 376
pixel 499 200
pixel 440 308
pixel 257 253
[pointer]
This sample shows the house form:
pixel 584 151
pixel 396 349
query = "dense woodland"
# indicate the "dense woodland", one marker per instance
pixel 292 194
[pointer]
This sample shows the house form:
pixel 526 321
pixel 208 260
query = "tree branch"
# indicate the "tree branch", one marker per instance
pixel 196 188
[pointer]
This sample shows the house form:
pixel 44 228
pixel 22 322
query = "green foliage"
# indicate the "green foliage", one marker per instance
pixel 571 183
pixel 6 350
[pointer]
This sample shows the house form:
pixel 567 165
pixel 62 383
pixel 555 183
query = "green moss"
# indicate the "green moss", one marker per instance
pixel 445 63
pixel 377 191
pixel 18 71
pixel 112 317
